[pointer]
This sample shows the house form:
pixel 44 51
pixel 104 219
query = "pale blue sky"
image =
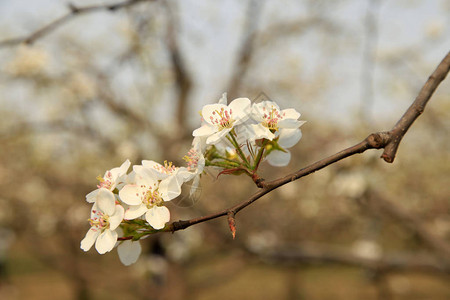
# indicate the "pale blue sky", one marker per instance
pixel 211 33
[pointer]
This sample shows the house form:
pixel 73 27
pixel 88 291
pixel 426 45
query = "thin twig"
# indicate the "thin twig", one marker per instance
pixel 416 109
pixel 73 12
pixel 377 140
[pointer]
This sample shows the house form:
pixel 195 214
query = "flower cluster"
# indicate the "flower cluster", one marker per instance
pixel 234 138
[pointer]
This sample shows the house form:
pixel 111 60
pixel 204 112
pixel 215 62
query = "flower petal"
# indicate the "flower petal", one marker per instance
pixel 92 196
pixel 106 201
pixel 89 239
pixel 149 172
pixel 210 110
pixel 106 241
pixel 216 137
pixel 116 218
pixel 158 216
pixel 279 158
pixel 135 211
pixel 194 185
pixel 241 108
pixel 131 194
pixel 260 132
pixel 262 108
pixel 119 171
pixel 290 113
pixel 223 99
pixel 289 137
pixel 129 252
pixel 170 188
pixel 204 130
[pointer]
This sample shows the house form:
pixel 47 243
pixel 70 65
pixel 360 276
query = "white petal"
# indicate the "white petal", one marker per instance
pixel 117 172
pixel 194 185
pixel 150 164
pixel 92 196
pixel 170 188
pixel 204 130
pixel 289 137
pixel 199 144
pixel 158 216
pixel 106 241
pixel 148 173
pixel 129 252
pixel 279 158
pixel 131 179
pixel 106 201
pixel 290 113
pixel 217 137
pixel 290 123
pixel 124 167
pixel 135 211
pixel 260 132
pixel 184 175
pixel 223 100
pixel 241 108
pixel 211 110
pixel 131 194
pixel 262 108
pixel 116 218
pixel 89 239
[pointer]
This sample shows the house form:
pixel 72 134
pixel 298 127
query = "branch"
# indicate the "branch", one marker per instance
pixel 73 12
pixel 416 109
pixel 380 140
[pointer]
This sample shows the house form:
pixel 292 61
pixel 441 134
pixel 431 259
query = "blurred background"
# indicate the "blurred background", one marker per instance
pixel 112 84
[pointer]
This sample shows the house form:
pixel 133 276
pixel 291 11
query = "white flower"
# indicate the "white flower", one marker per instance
pixel 129 252
pixel 288 137
pixel 144 197
pixel 172 178
pixel 282 125
pixel 271 119
pixel 109 182
pixel 105 218
pixel 220 118
pixel 196 163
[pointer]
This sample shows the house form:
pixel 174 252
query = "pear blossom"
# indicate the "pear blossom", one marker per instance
pixel 109 182
pixel 287 138
pixel 105 218
pixel 233 137
pixel 171 177
pixel 276 124
pixel 220 119
pixel 271 119
pixel 144 197
pixel 196 163
pixel 129 252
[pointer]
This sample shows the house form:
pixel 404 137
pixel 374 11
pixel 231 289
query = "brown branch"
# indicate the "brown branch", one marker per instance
pixel 377 140
pixel 73 12
pixel 415 110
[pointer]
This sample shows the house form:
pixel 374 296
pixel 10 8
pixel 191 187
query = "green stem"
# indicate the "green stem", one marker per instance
pixel 258 158
pixel 239 150
pixel 227 159
pixel 226 165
